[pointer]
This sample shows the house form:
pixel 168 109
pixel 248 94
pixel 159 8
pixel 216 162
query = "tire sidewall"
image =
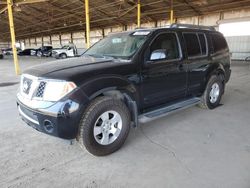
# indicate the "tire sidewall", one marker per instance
pixel 214 79
pixel 63 56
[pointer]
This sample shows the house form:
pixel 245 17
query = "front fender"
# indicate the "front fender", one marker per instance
pixel 101 84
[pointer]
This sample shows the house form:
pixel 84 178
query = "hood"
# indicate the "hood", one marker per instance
pixel 75 69
pixel 59 50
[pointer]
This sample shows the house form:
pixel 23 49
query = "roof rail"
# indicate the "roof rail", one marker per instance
pixel 210 28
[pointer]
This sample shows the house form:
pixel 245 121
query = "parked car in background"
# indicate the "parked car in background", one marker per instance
pixel 9 51
pixel 44 51
pixel 33 52
pixel 65 52
pixel 26 52
pixel 1 54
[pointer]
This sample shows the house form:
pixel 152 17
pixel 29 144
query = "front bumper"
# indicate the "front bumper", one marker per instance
pixel 60 119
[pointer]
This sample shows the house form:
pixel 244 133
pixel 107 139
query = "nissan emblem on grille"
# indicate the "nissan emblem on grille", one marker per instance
pixel 26 85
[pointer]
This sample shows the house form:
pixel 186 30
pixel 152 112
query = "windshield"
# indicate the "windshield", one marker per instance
pixel 122 45
pixel 65 47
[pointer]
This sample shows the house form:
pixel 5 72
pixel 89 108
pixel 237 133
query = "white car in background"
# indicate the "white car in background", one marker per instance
pixel 65 52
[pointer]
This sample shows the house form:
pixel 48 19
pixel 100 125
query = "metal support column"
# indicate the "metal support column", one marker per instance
pixel 13 37
pixel 138 13
pixel 87 23
pixel 171 13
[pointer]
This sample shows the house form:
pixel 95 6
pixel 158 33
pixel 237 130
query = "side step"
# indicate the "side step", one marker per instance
pixel 166 110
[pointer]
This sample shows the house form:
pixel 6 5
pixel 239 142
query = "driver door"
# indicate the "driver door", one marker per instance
pixel 164 74
pixel 70 52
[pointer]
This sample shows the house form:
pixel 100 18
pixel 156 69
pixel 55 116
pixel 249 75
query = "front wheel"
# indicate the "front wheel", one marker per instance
pixel 104 126
pixel 213 93
pixel 63 56
pixel 39 54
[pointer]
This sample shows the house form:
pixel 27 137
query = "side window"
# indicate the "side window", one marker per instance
pixel 196 44
pixel 203 43
pixel 165 46
pixel 219 43
pixel 193 45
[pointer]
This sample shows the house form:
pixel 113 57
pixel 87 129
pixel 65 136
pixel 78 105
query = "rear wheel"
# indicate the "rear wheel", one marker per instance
pixel 104 126
pixel 213 93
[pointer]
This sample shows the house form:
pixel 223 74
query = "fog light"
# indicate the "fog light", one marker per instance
pixel 48 126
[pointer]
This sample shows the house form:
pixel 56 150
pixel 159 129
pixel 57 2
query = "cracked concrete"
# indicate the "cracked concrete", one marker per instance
pixel 193 148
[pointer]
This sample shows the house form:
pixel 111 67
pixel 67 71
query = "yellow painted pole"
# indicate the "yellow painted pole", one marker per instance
pixel 171 16
pixel 171 13
pixel 138 13
pixel 13 37
pixel 87 23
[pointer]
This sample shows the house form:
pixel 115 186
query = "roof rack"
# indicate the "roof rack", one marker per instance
pixel 210 28
pixel 138 28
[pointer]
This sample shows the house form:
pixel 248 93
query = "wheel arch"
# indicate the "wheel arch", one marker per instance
pixel 63 53
pixel 216 69
pixel 117 87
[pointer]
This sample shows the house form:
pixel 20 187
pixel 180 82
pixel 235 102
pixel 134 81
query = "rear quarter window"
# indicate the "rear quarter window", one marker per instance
pixel 203 44
pixel 219 42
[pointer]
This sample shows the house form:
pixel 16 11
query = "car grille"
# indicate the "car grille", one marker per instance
pixel 32 87
pixel 26 85
pixel 40 90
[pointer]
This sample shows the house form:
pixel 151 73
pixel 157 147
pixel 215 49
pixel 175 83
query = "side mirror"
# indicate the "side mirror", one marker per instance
pixel 158 54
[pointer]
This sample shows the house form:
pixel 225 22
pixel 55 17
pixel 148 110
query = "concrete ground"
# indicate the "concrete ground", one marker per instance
pixel 193 148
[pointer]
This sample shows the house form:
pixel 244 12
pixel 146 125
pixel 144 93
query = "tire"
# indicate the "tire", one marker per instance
pixel 247 59
pixel 63 56
pixel 39 54
pixel 211 99
pixel 92 123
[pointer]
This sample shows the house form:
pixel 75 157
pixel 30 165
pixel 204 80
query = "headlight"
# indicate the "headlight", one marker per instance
pixel 56 89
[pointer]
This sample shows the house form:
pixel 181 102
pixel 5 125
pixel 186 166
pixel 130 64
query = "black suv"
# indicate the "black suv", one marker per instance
pixel 124 79
pixel 45 51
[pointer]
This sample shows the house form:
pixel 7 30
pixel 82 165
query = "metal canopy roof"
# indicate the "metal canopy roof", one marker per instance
pixel 45 17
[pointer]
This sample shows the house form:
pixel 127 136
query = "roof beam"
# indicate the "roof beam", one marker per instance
pixel 3 10
pixel 193 8
pixel 24 2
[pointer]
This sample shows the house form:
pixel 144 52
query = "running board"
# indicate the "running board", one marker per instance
pixel 166 110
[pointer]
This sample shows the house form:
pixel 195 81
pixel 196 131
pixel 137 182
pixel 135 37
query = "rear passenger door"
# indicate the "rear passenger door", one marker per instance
pixel 197 60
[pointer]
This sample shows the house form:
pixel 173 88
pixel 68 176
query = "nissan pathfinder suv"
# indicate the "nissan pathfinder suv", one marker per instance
pixel 125 79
